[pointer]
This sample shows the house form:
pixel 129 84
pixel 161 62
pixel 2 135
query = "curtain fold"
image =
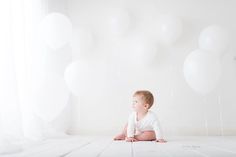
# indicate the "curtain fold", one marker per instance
pixel 31 75
pixel 10 114
pixel 18 19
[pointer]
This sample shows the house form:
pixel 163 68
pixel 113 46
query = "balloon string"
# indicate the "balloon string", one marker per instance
pixel 205 117
pixel 221 116
pixel 171 73
pixel 171 84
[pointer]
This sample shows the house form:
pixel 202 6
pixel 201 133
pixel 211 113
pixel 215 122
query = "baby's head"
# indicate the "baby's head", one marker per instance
pixel 142 100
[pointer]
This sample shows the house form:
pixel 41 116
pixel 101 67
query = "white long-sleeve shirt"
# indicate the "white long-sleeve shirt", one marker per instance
pixel 147 123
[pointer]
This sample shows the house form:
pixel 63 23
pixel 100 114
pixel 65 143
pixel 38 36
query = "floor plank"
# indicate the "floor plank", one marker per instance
pixel 118 149
pixel 52 148
pixel 94 149
pixel 150 149
pixel 87 146
pixel 215 152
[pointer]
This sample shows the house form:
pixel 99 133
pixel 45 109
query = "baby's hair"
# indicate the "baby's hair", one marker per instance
pixel 146 96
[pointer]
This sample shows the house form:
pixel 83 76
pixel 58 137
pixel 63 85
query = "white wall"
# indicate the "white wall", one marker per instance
pixel 105 108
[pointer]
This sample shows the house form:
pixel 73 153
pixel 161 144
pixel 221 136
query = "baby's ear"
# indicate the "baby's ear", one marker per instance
pixel 147 105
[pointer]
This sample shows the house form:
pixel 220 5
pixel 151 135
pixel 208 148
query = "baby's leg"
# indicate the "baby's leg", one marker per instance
pixel 146 136
pixel 123 135
pixel 120 137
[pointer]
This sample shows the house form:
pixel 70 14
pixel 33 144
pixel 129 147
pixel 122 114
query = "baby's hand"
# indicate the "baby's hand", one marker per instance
pixel 131 139
pixel 161 141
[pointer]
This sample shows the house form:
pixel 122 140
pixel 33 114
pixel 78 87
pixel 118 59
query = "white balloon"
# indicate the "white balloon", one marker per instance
pixel 143 52
pixel 56 62
pixel 85 77
pixel 74 76
pixel 214 38
pixel 170 28
pixel 56 30
pixel 119 21
pixel 82 42
pixel 51 98
pixel 202 71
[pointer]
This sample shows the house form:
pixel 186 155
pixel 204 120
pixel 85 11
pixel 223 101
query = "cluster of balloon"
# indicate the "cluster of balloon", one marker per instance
pixel 202 67
pixel 53 95
pixel 169 29
pixel 146 50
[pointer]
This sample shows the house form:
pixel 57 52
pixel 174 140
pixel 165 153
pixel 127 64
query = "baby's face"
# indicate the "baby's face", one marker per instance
pixel 138 104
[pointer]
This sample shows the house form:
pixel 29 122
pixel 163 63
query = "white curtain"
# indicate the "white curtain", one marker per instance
pixel 13 42
pixel 10 116
pixel 15 47
pixel 19 74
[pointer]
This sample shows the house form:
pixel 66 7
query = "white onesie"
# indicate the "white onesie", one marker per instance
pixel 147 123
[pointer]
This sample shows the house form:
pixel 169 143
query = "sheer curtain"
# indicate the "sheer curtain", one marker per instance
pixel 10 115
pixel 14 50
pixel 19 24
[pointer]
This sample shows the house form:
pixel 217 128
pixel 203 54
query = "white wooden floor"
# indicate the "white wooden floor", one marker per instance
pixel 105 147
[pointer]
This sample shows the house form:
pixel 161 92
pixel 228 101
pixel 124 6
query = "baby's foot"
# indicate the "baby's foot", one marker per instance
pixel 120 137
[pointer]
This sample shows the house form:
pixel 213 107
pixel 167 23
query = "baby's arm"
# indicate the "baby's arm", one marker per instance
pixel 131 129
pixel 158 131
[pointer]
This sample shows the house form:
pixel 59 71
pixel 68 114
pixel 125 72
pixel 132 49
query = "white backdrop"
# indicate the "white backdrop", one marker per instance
pixel 181 110
pixel 84 84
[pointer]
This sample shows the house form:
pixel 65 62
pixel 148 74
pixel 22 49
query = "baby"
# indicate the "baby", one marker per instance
pixel 143 124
